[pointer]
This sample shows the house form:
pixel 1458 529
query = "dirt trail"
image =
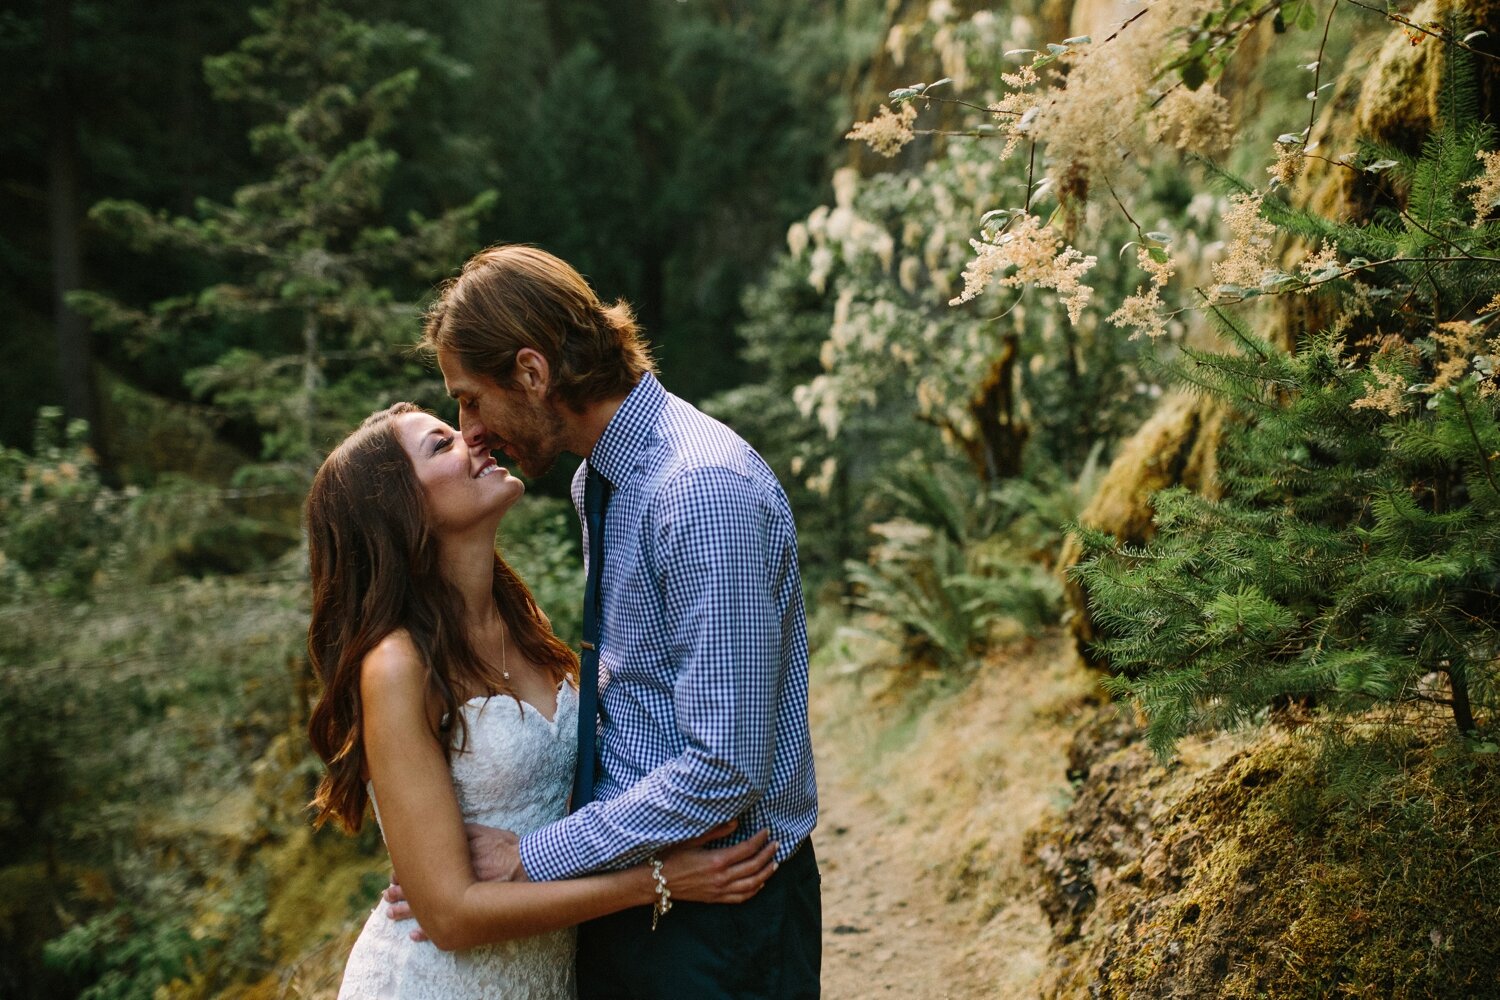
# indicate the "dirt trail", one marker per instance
pixel 924 814
pixel 887 927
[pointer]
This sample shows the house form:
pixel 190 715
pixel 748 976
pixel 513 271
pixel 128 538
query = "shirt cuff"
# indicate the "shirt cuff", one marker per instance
pixel 541 853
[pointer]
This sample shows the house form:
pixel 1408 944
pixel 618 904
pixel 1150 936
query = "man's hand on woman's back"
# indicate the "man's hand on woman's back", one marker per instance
pixel 494 855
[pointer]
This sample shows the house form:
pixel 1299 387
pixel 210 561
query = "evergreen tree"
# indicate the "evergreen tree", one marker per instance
pixel 660 147
pixel 317 298
pixel 98 99
pixel 1354 559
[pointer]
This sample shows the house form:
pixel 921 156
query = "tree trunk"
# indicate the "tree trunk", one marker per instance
pixel 71 330
pixel 311 377
pixel 1463 712
pixel 1002 433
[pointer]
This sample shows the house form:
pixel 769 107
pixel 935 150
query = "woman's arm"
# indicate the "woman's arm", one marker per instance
pixel 429 850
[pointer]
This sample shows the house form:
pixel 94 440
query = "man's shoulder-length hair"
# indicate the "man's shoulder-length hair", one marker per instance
pixel 514 296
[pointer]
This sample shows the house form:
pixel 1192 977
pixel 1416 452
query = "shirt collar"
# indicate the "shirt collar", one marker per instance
pixel 629 431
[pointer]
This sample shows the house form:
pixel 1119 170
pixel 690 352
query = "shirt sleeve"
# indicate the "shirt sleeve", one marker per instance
pixel 715 561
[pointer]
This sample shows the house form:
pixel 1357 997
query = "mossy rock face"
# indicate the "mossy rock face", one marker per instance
pixel 1097 18
pixel 1398 100
pixel 1400 92
pixel 1390 92
pixel 1111 836
pixel 1297 866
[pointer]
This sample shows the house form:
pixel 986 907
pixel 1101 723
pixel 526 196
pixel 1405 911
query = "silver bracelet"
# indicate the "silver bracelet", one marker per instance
pixel 663 894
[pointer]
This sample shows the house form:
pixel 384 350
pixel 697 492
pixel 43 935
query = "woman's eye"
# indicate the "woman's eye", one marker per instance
pixel 443 443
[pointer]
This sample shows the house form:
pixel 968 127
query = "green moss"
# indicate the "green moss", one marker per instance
pixel 320 883
pixel 1364 866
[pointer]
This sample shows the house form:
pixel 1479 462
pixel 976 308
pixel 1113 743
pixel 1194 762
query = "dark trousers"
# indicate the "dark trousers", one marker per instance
pixel 768 947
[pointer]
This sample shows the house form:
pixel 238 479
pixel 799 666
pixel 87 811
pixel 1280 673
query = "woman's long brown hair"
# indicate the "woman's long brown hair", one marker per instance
pixel 375 570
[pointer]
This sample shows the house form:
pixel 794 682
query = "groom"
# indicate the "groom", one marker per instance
pixel 694 617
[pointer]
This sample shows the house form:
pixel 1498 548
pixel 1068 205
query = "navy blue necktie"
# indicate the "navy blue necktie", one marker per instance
pixel 595 494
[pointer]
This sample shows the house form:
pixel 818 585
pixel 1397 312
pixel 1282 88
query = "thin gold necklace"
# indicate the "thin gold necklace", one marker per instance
pixel 504 671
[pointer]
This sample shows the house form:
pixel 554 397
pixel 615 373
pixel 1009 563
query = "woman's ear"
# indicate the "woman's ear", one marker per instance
pixel 532 372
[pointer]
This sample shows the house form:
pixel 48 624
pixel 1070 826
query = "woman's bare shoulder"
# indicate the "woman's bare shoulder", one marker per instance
pixel 393 669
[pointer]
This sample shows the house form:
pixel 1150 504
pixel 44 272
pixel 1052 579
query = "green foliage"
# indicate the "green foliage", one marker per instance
pixel 125 955
pixel 1431 249
pixel 314 305
pixel 786 321
pixel 953 570
pixel 660 147
pixel 141 747
pixel 63 531
pixel 1209 45
pixel 125 81
pixel 264 253
pixel 53 511
pixel 1015 372
pixel 1354 559
pixel 151 733
pixel 539 538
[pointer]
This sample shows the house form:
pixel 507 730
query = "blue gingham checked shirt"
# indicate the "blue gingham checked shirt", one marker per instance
pixel 702 647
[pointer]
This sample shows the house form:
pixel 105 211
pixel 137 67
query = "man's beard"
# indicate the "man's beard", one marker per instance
pixel 535 440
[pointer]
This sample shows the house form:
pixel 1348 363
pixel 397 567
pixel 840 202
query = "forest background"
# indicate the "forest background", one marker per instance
pixel 1154 338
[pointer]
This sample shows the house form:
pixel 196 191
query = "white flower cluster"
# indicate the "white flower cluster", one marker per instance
pixel 892 334
pixel 1092 124
pixel 1038 256
pixel 1143 311
pixel 888 131
pixel 839 232
pixel 1247 257
pixel 1486 187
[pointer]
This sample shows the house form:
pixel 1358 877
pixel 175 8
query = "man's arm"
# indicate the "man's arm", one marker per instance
pixel 713 558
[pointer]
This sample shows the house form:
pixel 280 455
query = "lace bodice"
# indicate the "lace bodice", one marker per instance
pixel 515 774
pixel 518 766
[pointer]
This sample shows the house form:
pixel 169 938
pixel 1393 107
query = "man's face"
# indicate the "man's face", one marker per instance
pixel 523 424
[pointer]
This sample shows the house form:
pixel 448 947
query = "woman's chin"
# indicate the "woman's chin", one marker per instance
pixel 507 500
pixel 513 489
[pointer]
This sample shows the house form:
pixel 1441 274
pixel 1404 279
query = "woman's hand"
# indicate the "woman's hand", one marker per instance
pixel 732 874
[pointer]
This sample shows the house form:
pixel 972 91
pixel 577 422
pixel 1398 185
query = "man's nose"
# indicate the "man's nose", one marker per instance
pixel 472 429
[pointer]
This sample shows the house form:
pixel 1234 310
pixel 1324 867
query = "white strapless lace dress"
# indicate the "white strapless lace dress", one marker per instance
pixel 516 775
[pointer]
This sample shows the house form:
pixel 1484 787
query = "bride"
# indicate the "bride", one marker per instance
pixel 446 700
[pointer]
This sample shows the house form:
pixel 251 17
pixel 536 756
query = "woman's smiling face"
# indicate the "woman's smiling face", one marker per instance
pixel 464 486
